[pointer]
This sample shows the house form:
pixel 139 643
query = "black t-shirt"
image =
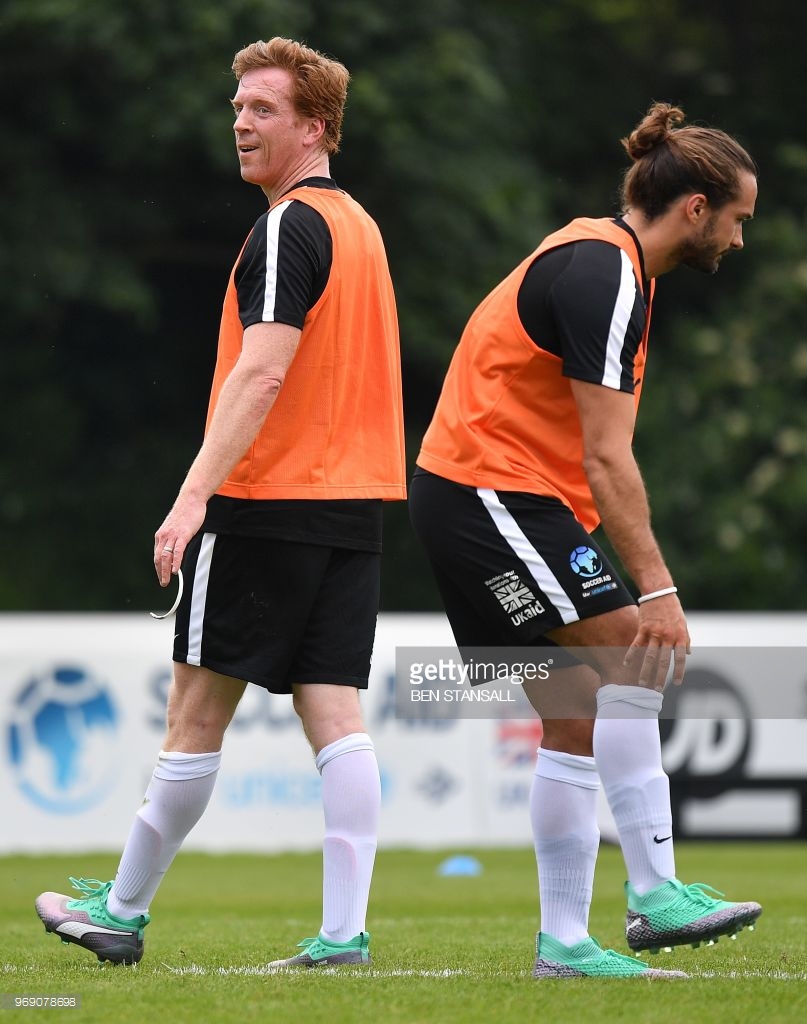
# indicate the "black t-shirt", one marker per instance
pixel 580 302
pixel 343 523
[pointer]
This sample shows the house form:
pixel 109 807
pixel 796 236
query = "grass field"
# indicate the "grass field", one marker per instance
pixel 456 949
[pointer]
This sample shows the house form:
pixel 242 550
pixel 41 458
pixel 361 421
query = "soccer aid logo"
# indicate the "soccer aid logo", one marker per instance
pixel 585 562
pixel 62 740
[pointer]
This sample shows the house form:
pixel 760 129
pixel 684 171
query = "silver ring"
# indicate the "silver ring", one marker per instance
pixel 168 549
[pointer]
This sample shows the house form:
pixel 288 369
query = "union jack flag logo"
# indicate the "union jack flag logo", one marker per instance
pixel 513 596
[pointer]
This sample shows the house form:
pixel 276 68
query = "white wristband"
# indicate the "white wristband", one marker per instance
pixel 657 593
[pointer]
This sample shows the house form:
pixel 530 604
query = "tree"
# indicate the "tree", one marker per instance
pixel 472 129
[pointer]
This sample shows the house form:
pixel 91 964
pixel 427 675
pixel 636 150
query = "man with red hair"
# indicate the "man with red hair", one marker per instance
pixel 277 525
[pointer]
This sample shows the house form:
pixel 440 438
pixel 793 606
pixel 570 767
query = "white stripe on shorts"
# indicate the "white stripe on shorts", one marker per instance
pixel 540 571
pixel 199 599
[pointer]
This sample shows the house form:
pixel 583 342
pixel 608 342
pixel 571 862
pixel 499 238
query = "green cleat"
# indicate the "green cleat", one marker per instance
pixel 587 959
pixel 319 952
pixel 674 914
pixel 87 922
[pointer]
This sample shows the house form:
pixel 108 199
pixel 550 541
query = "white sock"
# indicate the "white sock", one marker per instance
pixel 627 749
pixel 175 800
pixel 351 799
pixel 563 812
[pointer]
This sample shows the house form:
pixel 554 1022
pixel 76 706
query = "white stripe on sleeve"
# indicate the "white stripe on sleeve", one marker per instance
pixel 272 233
pixel 612 372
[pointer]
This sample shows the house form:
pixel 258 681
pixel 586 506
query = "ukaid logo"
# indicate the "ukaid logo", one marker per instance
pixel 61 739
pixel 515 597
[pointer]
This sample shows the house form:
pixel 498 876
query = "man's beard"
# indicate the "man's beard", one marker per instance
pixel 700 253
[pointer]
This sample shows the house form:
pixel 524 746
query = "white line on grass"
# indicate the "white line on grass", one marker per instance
pixel 741 975
pixel 362 972
pixel 375 972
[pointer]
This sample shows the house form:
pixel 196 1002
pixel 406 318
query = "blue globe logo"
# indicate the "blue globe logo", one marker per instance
pixel 62 739
pixel 585 562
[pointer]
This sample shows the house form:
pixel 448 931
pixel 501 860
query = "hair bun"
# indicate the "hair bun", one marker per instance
pixel 655 128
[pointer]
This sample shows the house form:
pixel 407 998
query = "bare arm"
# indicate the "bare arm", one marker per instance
pixel 247 397
pixel 607 418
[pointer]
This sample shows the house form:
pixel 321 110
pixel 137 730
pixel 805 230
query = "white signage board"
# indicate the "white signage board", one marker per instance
pixel 82 701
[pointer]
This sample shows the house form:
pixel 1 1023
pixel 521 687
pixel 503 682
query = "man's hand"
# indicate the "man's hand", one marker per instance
pixel 170 541
pixel 662 637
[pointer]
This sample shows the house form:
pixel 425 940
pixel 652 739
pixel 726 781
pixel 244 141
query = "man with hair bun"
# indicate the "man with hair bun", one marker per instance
pixel 529 450
pixel 277 526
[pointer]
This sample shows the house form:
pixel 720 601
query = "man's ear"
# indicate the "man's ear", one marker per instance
pixel 696 207
pixel 315 129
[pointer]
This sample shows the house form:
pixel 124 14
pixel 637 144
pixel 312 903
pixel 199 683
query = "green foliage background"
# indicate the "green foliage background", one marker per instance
pixel 472 129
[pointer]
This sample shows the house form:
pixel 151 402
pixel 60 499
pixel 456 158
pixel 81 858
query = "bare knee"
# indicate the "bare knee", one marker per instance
pixel 328 712
pixel 201 705
pixel 569 735
pixel 602 641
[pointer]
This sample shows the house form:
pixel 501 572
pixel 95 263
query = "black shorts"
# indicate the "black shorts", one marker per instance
pixel 510 566
pixel 275 612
